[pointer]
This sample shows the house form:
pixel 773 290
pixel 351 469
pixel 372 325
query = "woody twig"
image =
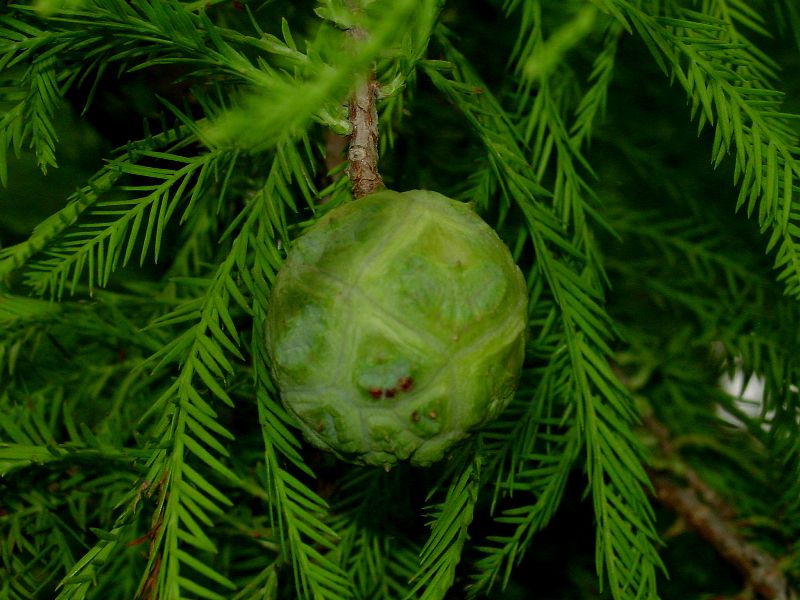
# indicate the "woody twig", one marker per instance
pixel 363 117
pixel 704 511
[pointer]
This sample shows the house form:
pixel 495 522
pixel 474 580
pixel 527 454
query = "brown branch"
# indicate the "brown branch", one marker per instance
pixel 700 507
pixel 363 117
pixel 363 152
pixel 708 494
pixel 762 572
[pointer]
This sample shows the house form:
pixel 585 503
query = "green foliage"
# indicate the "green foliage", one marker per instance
pixel 144 452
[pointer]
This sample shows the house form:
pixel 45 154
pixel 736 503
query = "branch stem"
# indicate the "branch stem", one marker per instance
pixel 363 117
pixel 703 510
pixel 761 571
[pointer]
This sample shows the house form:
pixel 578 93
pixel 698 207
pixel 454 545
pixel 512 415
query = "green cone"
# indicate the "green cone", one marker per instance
pixel 397 326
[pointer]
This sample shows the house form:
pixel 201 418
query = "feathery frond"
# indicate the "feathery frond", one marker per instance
pixel 450 521
pixel 729 83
